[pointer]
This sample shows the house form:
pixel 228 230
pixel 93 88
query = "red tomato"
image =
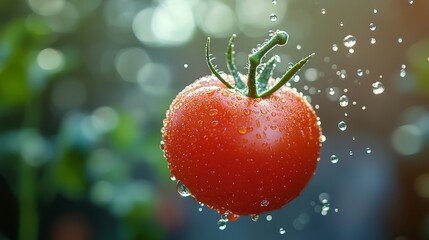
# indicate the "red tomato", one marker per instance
pixel 239 154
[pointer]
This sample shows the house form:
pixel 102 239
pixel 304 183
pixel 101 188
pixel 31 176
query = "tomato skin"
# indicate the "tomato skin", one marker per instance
pixel 240 154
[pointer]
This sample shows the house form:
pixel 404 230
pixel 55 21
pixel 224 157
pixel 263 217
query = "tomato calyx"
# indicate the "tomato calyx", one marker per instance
pixel 257 79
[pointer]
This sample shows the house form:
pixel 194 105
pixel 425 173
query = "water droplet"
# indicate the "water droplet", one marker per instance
pixel 162 145
pixel 342 126
pixel 341 24
pixel 351 153
pixel 213 112
pixel 242 130
pixel 172 178
pixel 331 91
pixel 182 189
pixel 269 218
pixel 400 40
pixel 336 209
pixel 359 72
pixel 334 47
pixel 372 26
pixel 214 123
pixel 363 108
pixel 185 65
pixel 322 138
pixel 410 1
pixel 403 73
pixel 344 101
pixel 375 10
pixel 368 150
pixel 334 158
pixel 298 47
pixel 323 11
pixel 351 50
pixel 200 209
pixel 377 87
pixel 265 203
pixel 247 111
pixel 282 231
pixel 273 17
pixel 254 217
pixel 349 41
pixel 274 2
pixel 373 41
pixel 221 224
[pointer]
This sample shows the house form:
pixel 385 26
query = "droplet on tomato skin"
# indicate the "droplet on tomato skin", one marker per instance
pixel 162 145
pixel 213 112
pixel 265 203
pixel 246 111
pixel 233 217
pixel 214 123
pixel 182 189
pixel 258 136
pixel 242 130
pixel 211 93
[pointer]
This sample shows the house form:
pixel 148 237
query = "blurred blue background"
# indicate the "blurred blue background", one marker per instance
pixel 84 86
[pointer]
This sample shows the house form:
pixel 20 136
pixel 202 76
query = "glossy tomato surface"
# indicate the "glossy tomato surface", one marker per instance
pixel 240 154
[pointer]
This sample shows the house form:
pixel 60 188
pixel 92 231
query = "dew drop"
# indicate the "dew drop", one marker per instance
pixel 273 17
pixel 349 41
pixel 372 26
pixel 214 123
pixel 242 130
pixel 162 145
pixel 172 178
pixel 213 112
pixel 322 138
pixel 373 41
pixel 359 72
pixel 254 217
pixel 334 158
pixel 403 73
pixel 342 126
pixel 344 101
pixel 265 203
pixel 377 87
pixel 222 224
pixel 323 11
pixel 368 150
pixel 182 189
pixel 331 91
pixel 282 231
pixel 334 47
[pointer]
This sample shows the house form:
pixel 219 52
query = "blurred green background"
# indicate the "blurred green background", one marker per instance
pixel 84 86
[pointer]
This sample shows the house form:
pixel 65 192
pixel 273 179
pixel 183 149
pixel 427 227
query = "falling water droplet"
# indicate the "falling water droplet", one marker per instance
pixel 334 47
pixel 375 10
pixel 298 47
pixel 334 158
pixel 273 17
pixel 373 41
pixel 359 72
pixel 269 218
pixel 185 65
pixel 274 2
pixel 410 1
pixel 349 41
pixel 368 150
pixel 282 231
pixel 403 73
pixel 351 153
pixel 377 87
pixel 182 189
pixel 342 126
pixel 323 11
pixel 400 40
pixel 372 26
pixel 221 224
pixel 344 101
pixel 254 218
pixel 331 91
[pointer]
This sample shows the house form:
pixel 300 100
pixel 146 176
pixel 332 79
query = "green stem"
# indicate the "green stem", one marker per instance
pixel 287 76
pixel 230 64
pixel 279 38
pixel 213 68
